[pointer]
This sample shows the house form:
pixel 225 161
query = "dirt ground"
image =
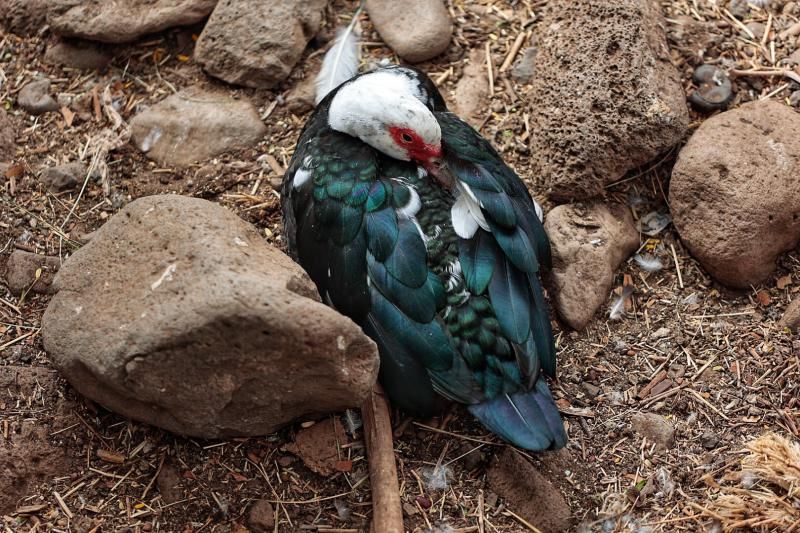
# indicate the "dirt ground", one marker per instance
pixel 722 371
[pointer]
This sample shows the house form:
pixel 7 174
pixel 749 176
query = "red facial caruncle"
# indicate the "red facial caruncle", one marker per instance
pixel 414 146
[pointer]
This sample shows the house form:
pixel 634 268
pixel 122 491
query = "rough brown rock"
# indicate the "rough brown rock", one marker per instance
pixel 417 30
pixel 27 455
pixel 63 177
pixel 21 268
pixel 301 97
pixel 256 44
pixel 195 125
pixel 605 96
pixel 261 517
pixel 589 241
pixel 528 493
pixel 74 53
pixel 169 484
pixel 469 99
pixel 122 22
pixel 735 192
pixel 178 314
pixel 791 317
pixel 23 17
pixel 655 428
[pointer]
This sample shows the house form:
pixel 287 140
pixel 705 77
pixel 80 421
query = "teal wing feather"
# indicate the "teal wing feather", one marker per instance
pixel 510 254
pixel 368 261
pixel 500 265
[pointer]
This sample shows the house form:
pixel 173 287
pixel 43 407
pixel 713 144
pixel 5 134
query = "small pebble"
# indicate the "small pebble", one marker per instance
pixel 757 29
pixel 709 440
pixel 739 8
pixel 525 68
pixel 35 98
pixel 714 89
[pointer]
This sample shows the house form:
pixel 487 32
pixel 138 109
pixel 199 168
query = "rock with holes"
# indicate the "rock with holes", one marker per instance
pixel 178 314
pixel 122 22
pixel 589 241
pixel 735 191
pixel 256 44
pixel 605 96
pixel 195 125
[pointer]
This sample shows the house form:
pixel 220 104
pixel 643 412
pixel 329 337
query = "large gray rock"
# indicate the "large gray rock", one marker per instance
pixel 588 242
pixel 417 30
pixel 735 191
pixel 195 125
pixel 256 44
pixel 605 96
pixel 178 314
pixel 121 22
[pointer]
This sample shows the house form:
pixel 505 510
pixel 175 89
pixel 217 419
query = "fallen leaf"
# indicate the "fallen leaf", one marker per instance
pixel 15 171
pixel 343 466
pixel 68 115
pixel 763 298
pixel 239 477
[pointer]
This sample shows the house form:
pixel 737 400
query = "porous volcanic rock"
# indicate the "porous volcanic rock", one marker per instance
pixel 122 22
pixel 589 241
pixel 178 314
pixel 195 125
pixel 735 191
pixel 417 30
pixel 256 44
pixel 605 96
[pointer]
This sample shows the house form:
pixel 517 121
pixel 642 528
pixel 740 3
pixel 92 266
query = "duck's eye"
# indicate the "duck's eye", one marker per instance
pixel 406 137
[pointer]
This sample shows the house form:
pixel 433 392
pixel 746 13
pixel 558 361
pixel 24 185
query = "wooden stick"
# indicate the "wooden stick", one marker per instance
pixel 387 513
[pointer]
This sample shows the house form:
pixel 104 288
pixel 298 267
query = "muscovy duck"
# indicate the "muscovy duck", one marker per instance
pixel 410 223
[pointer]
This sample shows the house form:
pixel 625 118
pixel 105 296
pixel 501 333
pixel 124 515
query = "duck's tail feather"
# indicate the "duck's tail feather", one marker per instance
pixel 528 419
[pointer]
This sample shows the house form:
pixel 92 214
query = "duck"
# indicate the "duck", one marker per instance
pixel 410 223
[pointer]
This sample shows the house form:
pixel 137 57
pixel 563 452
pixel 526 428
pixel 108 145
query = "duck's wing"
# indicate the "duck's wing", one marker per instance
pixel 503 256
pixel 353 230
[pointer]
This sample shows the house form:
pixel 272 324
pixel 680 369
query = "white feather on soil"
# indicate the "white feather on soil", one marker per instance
pixel 617 310
pixel 341 61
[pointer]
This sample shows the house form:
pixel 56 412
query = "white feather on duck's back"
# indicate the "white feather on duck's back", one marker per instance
pixel 466 213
